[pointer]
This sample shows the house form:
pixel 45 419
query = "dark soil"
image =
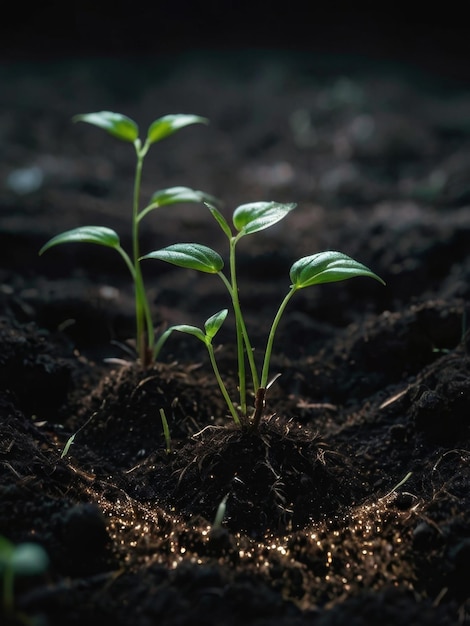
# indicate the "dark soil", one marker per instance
pixel 350 504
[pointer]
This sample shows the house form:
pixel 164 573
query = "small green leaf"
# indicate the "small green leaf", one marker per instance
pixel 327 267
pixel 115 124
pixel 214 323
pixel 256 216
pixel 173 195
pixel 29 558
pixel 169 124
pixel 67 446
pixel 85 234
pixel 220 219
pixel 190 330
pixel 190 255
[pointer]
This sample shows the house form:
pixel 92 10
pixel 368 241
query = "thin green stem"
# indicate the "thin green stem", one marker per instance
pixel 161 342
pixel 138 280
pixel 8 577
pixel 223 388
pixel 147 210
pixel 226 283
pixel 249 349
pixel 238 326
pixel 127 261
pixel 246 339
pixel 269 344
pixel 144 324
pixel 250 354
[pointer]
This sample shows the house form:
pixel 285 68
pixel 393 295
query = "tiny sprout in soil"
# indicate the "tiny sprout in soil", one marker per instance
pixel 24 559
pixel 323 267
pixel 125 129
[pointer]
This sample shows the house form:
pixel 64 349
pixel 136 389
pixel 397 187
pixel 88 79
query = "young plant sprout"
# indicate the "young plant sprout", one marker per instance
pixel 125 129
pixel 166 431
pixel 324 267
pixel 24 559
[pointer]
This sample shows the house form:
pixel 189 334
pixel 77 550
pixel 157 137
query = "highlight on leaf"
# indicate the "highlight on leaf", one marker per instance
pixel 189 330
pixel 191 256
pixel 256 216
pixel 115 124
pixel 213 324
pixel 85 234
pixel 169 124
pixel 173 195
pixel 327 267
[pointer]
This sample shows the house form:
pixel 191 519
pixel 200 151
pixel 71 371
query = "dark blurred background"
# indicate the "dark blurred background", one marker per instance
pixel 433 36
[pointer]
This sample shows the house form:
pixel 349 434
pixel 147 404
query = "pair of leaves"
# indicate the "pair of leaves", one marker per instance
pixel 247 219
pixel 253 217
pixel 211 327
pixel 324 267
pixel 126 129
pixel 104 236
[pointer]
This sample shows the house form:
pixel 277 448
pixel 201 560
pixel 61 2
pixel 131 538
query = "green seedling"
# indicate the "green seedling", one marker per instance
pixel 211 328
pixel 166 431
pixel 220 514
pixel 324 267
pixel 125 129
pixel 24 559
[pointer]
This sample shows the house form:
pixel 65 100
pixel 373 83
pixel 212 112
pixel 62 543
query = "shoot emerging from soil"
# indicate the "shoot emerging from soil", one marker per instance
pixel 323 267
pixel 125 129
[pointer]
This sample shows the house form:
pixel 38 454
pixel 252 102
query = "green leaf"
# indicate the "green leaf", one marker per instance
pixel 250 218
pixel 29 558
pixel 169 124
pixel 115 124
pixel 67 446
pixel 173 195
pixel 190 330
pixel 214 323
pixel 190 255
pixel 327 267
pixel 85 234
pixel 220 219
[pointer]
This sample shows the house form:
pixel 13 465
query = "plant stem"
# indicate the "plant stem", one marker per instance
pixel 259 406
pixel 8 588
pixel 244 332
pixel 249 353
pixel 223 388
pixel 238 325
pixel 269 344
pixel 144 324
pixel 127 261
pixel 161 342
pixel 243 340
